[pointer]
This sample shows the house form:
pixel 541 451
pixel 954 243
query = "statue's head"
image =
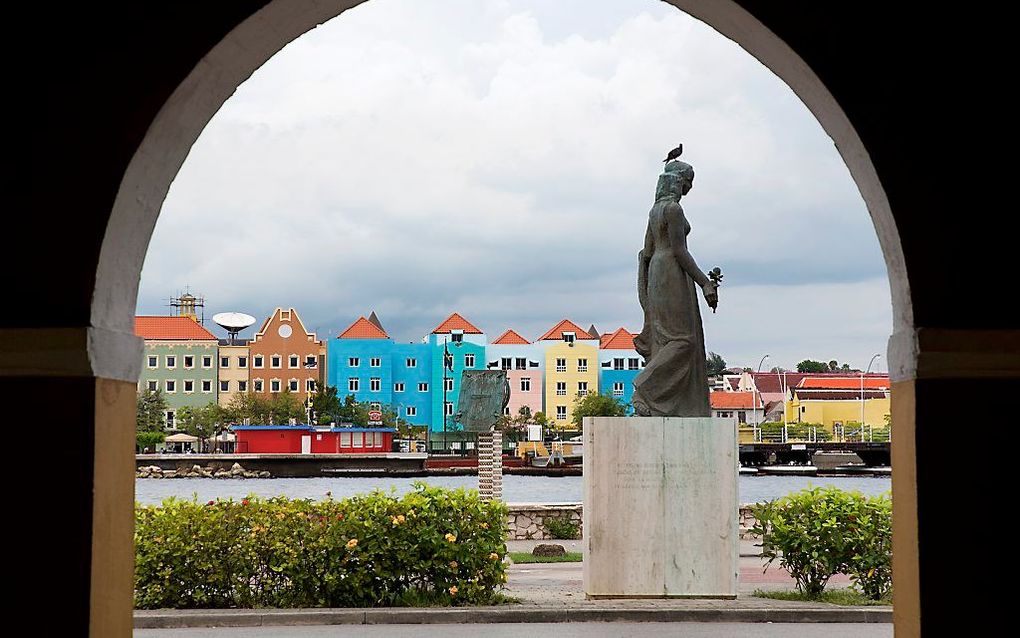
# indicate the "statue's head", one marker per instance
pixel 676 180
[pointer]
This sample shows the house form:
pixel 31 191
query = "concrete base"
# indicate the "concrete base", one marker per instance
pixel 660 507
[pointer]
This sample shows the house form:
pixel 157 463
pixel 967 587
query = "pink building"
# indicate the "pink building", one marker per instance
pixel 524 367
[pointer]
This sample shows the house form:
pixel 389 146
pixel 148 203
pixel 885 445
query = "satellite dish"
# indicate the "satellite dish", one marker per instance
pixel 233 322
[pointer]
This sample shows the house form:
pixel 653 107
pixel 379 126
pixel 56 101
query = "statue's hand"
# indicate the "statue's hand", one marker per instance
pixel 711 292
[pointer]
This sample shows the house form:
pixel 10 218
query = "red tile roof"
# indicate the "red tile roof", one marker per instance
pixel 456 322
pixel 363 329
pixel 734 400
pixel 844 383
pixel 171 328
pixel 619 340
pixel 556 332
pixel 510 338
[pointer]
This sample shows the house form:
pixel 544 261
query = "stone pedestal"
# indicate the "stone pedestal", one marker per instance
pixel 660 507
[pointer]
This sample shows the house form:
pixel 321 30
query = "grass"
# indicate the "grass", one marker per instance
pixel 527 557
pixel 846 596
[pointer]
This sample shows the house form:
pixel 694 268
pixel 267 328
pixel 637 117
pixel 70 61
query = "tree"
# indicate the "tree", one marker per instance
pixel 204 422
pixel 596 404
pixel 248 408
pixel 147 441
pixel 284 407
pixel 151 414
pixel 716 364
pixel 326 405
pixel 809 365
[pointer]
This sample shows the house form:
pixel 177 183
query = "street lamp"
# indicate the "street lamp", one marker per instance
pixel 876 356
pixel 754 394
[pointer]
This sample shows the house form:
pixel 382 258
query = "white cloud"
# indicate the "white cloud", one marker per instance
pixel 499 158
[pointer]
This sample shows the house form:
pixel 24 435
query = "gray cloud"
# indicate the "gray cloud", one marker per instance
pixel 499 158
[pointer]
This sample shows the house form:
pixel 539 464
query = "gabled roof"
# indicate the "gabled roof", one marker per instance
pixel 556 332
pixel 456 322
pixel 171 328
pixel 844 383
pixel 363 329
pixel 594 332
pixel 510 338
pixel 619 340
pixel 734 401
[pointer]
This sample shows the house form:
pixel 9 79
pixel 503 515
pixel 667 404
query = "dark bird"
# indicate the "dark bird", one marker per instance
pixel 675 153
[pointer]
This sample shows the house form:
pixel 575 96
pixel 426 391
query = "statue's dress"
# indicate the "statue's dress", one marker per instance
pixel 674 381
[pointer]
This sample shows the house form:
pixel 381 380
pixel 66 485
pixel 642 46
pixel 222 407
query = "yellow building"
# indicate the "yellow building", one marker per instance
pixel 234 369
pixel 571 369
pixel 840 402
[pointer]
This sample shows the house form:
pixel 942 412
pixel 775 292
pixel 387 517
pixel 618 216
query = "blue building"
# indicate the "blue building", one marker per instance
pixel 455 345
pixel 619 364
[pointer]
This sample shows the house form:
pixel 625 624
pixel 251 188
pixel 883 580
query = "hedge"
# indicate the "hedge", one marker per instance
pixel 430 546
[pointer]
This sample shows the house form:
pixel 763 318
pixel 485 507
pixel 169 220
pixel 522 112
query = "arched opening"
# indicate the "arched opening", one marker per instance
pixel 94 356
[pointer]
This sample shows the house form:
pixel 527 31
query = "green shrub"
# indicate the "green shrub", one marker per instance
pixel 819 532
pixel 562 528
pixel 431 546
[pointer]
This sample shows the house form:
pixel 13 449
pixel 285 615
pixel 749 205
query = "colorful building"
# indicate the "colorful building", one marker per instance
pixel 743 408
pixel 234 371
pixel 455 345
pixel 525 367
pixel 285 356
pixel 180 359
pixel 840 401
pixel 619 365
pixel 571 358
pixel 307 439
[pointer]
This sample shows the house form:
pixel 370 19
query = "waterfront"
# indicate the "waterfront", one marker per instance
pixel 516 489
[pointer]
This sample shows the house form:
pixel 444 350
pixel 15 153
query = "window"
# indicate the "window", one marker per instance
pixel 171 361
pixel 345 439
pixel 311 361
pixel 582 365
pixel 632 363
pixel 398 387
pixel 607 364
pixel 561 365
pixel 206 385
pixel 411 411
pixel 725 414
pixel 375 362
pixel 294 361
pixel 257 385
pixel 377 439
pixel 618 389
pixel 375 384
pixel 423 387
pixel 742 417
pixel 224 386
pixel 274 385
pixel 411 362
pixel 582 388
pixel 469 360
pixel 170 419
pixel 561 388
pixel 506 363
pixel 292 385
pixel 448 411
pixel 457 337
pixel 568 337
pixel 224 362
pixel 206 361
pixel 189 385
pixel 353 362
pixel 520 363
pixel 275 361
pixel 153 361
pixel 309 385
pixel 525 384
pixel 257 361
pixel 358 439
pixel 242 386
pixel 242 362
pixel 153 385
pixel 448 385
pixel 532 364
pixel 561 413
pixel 189 361
pixel 353 384
pixel 618 364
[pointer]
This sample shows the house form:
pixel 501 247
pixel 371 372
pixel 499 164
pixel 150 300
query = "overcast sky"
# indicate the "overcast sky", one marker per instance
pixel 498 158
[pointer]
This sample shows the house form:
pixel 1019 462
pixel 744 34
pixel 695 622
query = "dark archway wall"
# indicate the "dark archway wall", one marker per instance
pixel 88 88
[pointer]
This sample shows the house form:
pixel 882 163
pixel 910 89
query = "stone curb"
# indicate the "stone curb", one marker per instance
pixel 179 619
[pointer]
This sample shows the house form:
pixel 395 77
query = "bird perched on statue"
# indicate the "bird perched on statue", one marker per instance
pixel 675 153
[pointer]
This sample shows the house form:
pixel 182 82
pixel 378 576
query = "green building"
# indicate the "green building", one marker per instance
pixel 181 359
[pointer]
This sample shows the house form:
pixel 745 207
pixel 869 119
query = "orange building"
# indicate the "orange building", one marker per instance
pixel 285 356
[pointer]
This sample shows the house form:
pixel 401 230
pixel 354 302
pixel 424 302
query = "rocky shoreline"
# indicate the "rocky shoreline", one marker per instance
pixel 236 471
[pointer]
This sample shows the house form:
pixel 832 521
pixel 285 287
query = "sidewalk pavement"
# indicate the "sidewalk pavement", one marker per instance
pixel 553 592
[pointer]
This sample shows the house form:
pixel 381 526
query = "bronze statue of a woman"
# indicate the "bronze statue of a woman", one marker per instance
pixel 674 381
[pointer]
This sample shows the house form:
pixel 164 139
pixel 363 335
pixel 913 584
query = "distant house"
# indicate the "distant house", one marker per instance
pixel 619 365
pixel 455 345
pixel 839 401
pixel 234 369
pixel 524 365
pixel 744 408
pixel 284 356
pixel 307 439
pixel 571 357
pixel 180 359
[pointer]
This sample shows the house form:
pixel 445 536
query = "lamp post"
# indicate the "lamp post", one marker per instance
pixel 754 394
pixel 876 356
